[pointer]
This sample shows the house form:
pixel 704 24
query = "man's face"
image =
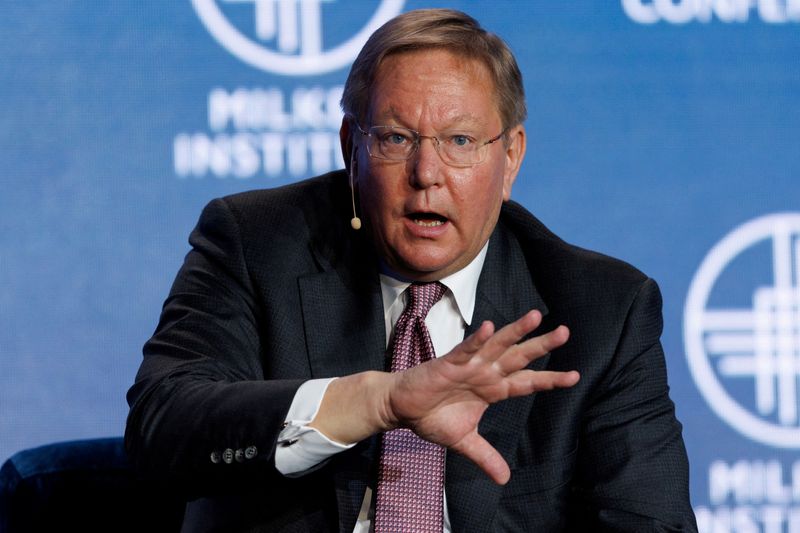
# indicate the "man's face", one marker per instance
pixel 429 219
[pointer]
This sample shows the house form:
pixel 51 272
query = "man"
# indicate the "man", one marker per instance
pixel 265 391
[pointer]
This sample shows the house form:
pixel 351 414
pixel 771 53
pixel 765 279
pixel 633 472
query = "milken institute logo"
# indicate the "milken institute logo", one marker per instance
pixel 294 28
pixel 746 361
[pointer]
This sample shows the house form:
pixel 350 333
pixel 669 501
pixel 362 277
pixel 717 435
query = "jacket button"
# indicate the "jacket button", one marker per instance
pixel 215 457
pixel 227 456
pixel 239 455
pixel 250 452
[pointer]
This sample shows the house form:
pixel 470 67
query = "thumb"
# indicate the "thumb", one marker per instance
pixel 479 451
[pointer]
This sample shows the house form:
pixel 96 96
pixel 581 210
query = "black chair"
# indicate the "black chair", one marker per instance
pixel 84 485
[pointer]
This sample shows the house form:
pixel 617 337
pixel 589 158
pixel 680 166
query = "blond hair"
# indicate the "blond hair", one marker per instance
pixel 446 29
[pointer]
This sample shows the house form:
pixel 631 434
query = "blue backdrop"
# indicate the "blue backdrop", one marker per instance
pixel 663 132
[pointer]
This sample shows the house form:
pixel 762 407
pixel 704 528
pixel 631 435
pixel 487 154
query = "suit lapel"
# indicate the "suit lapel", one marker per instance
pixel 341 305
pixel 505 292
pixel 343 324
pixel 345 334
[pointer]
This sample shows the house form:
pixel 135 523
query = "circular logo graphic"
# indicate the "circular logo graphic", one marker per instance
pixel 295 28
pixel 746 360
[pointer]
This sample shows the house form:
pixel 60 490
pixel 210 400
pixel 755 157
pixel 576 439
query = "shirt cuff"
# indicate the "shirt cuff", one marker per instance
pixel 301 447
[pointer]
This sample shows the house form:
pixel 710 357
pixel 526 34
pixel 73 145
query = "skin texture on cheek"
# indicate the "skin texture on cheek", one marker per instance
pixel 429 233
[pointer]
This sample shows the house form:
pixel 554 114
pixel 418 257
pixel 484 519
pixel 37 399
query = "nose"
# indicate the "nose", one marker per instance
pixel 427 165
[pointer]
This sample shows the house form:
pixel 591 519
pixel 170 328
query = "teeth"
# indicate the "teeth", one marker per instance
pixel 428 223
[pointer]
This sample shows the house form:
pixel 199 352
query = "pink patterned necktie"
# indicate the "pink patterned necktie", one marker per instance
pixel 411 471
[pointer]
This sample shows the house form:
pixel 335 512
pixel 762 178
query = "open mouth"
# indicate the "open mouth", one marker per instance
pixel 427 220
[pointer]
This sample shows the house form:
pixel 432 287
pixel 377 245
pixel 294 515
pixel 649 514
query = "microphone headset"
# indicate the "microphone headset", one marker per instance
pixel 355 222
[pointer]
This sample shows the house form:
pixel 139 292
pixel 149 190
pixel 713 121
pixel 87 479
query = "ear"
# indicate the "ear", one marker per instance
pixel 346 141
pixel 515 153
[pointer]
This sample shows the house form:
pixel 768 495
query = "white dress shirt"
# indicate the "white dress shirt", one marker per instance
pixel 301 447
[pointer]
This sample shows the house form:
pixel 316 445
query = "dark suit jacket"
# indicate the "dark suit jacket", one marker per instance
pixel 278 289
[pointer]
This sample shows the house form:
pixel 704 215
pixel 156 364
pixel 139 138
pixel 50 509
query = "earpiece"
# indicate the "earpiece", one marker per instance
pixel 355 222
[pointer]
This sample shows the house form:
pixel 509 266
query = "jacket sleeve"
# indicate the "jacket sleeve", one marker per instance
pixel 201 413
pixel 632 472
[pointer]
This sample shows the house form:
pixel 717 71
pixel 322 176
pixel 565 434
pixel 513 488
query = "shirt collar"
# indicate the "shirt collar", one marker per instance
pixel 462 285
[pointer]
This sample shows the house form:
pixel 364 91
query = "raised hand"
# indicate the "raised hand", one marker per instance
pixel 443 399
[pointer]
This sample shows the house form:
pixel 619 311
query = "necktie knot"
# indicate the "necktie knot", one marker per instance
pixel 423 296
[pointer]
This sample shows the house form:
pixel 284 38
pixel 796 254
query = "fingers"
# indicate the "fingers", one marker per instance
pixel 520 355
pixel 526 382
pixel 549 341
pixel 512 333
pixel 501 350
pixel 492 344
pixel 472 344
pixel 478 450
pixel 477 340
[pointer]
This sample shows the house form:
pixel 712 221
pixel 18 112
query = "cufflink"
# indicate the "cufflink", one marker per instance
pixel 288 442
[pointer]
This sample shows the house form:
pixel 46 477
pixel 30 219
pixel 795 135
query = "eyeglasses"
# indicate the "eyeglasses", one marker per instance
pixel 400 144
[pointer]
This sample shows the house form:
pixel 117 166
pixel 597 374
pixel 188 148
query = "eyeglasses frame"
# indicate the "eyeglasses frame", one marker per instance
pixel 434 139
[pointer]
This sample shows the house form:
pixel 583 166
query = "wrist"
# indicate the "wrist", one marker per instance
pixel 355 407
pixel 380 387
